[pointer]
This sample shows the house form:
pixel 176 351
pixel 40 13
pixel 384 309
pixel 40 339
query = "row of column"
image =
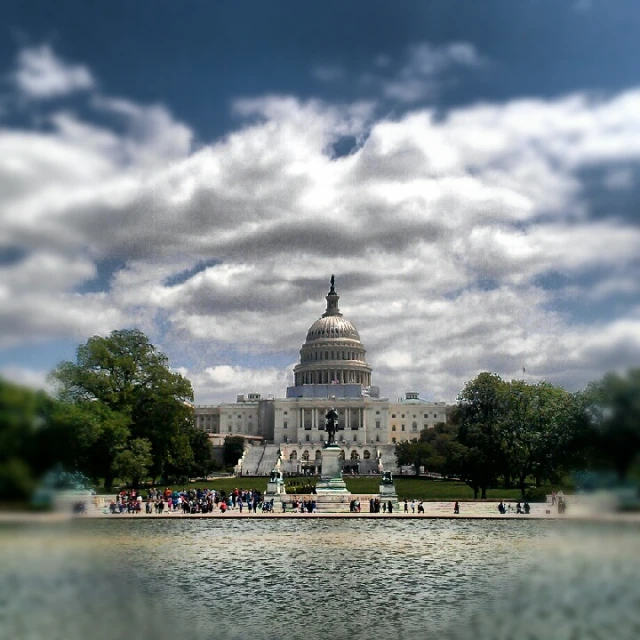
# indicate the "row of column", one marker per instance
pixel 342 376
pixel 318 418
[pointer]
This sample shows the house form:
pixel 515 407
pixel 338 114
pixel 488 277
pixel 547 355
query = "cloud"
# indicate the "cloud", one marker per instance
pixel 440 228
pixel 421 75
pixel 228 381
pixel 32 378
pixel 41 74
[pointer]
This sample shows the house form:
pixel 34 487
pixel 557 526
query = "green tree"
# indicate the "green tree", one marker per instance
pixel 538 427
pixel 126 374
pixel 417 454
pixel 232 450
pixel 132 464
pixel 202 454
pixel 86 436
pixel 23 414
pixel 478 412
pixel 613 404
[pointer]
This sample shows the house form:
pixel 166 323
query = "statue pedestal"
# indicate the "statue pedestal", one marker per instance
pixel 275 488
pixel 388 493
pixel 331 482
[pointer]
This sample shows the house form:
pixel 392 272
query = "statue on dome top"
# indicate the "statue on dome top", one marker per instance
pixel 333 284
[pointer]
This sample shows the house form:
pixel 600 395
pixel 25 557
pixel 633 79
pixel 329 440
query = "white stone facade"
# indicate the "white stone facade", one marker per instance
pixel 332 372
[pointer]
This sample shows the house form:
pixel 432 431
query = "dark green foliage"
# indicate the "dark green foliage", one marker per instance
pixel 125 375
pixel 613 406
pixel 233 448
pixel 23 415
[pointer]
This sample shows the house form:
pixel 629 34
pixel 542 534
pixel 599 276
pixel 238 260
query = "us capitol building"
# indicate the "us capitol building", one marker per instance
pixel 332 372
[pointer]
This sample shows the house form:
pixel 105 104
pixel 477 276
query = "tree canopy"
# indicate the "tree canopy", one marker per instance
pixel 127 384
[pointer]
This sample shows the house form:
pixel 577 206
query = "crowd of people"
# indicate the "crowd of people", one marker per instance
pixel 524 509
pixel 189 501
pixel 202 501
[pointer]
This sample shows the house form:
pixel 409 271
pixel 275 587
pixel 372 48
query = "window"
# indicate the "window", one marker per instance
pixel 284 424
pixel 377 413
pixel 367 454
pixel 435 415
pixel 414 415
pixel 294 455
pixel 393 428
pixel 239 416
pixel 377 438
pixel 377 424
pixel 403 427
pixel 393 440
pixel 426 415
pixel 403 415
pixel 414 426
pixel 355 437
pixel 393 415
pixel 285 413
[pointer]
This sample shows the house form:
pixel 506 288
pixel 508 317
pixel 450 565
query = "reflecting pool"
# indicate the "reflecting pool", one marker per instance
pixel 325 579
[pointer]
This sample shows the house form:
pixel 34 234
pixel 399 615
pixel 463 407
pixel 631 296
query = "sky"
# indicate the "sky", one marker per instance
pixel 469 171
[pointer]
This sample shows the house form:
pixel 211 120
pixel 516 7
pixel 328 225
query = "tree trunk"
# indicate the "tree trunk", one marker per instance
pixel 484 493
pixel 108 481
pixel 522 485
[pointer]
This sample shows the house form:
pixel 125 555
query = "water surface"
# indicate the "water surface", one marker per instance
pixel 324 579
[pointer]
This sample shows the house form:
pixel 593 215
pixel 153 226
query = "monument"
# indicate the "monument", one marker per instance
pixel 388 489
pixel 331 489
pixel 275 485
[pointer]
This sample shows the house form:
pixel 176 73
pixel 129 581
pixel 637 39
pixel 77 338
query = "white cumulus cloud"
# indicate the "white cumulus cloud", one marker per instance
pixel 42 74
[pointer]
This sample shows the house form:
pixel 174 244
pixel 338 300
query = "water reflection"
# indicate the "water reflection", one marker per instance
pixel 319 579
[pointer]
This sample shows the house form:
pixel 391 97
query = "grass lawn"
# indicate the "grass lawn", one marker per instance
pixel 407 487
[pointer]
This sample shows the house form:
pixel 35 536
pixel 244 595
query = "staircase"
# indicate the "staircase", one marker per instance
pixel 268 460
pixel 252 459
pixel 260 460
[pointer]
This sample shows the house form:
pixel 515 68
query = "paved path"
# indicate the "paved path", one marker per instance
pixel 9 517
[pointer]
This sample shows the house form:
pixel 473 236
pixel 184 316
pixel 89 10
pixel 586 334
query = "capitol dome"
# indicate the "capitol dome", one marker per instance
pixel 332 352
pixel 332 327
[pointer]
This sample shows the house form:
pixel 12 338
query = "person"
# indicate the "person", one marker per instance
pixel 527 508
pixel 406 506
pixel 519 508
pixel 420 507
pixel 501 508
pixel 456 508
pixel 390 506
pixel 284 506
pixel 384 507
pixel 413 506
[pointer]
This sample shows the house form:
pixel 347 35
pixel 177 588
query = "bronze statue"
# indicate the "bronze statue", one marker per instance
pixel 331 425
pixel 387 477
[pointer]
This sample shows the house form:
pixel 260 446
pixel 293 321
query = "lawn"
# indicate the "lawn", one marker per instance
pixel 407 487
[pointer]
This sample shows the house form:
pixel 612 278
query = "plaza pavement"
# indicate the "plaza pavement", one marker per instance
pixel 433 511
